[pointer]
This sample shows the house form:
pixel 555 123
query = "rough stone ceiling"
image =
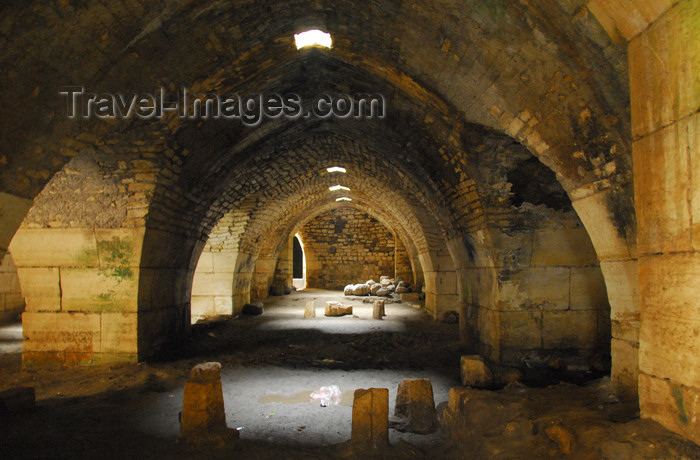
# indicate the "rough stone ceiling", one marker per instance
pixel 443 66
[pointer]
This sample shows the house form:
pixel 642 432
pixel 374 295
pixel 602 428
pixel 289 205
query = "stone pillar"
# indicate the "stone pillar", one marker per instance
pixel 285 264
pixel 310 310
pixel 416 405
pixel 212 286
pixel 370 417
pixel 11 299
pixel 81 287
pixel 665 95
pixel 203 418
pixel 378 312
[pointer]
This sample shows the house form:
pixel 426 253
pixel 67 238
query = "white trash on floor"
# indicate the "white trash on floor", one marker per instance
pixel 327 395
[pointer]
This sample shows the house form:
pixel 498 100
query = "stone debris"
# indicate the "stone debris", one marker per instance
pixel 370 417
pixel 310 309
pixel 361 289
pixel 203 418
pixel 415 407
pixel 253 309
pixel 334 308
pixel 385 287
pixel 561 436
pixel 475 373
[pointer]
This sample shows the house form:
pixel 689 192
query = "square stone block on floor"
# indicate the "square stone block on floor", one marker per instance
pixel 334 308
pixel 203 417
pixel 475 373
pixel 370 417
pixel 415 407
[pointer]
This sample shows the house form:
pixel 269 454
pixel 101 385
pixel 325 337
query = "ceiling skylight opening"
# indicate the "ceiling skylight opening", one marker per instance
pixel 313 37
pixel 343 198
pixel 335 169
pixel 338 187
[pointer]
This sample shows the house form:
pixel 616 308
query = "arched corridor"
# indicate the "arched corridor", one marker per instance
pixel 529 169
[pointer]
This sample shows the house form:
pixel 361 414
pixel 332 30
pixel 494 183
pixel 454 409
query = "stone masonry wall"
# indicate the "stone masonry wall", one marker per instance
pixel 11 300
pixel 347 246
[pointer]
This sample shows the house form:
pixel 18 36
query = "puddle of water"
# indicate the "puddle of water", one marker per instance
pixel 302 397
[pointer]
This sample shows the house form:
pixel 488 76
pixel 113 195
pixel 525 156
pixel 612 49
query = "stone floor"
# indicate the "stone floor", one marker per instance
pixel 271 363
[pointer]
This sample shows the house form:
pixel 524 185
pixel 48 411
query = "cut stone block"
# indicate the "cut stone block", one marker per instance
pixel 370 417
pixel 203 419
pixel 474 372
pixel 378 312
pixel 310 310
pixel 416 406
pixel 456 399
pixel 334 308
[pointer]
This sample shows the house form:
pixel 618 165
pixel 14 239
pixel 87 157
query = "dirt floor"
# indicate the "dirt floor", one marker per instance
pixel 271 364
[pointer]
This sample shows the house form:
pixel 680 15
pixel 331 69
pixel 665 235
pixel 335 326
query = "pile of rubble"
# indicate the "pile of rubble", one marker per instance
pixel 385 287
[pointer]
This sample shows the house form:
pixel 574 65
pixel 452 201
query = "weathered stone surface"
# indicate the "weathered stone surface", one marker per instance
pixel 375 288
pixel 675 406
pixel 253 309
pixel 561 436
pixel 383 292
pixel 475 373
pixel 415 406
pixel 337 309
pixel 348 290
pixel 378 311
pixel 402 290
pixel 370 417
pixel 203 418
pixel 310 310
pixel 361 289
pixel 206 372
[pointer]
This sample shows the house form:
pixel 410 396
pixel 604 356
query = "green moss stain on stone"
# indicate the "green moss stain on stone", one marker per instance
pixel 114 252
pixel 678 396
pixel 115 255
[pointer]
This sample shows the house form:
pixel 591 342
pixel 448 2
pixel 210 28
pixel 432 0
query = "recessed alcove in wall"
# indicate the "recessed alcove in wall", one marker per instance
pixel 298 263
pixel 347 246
